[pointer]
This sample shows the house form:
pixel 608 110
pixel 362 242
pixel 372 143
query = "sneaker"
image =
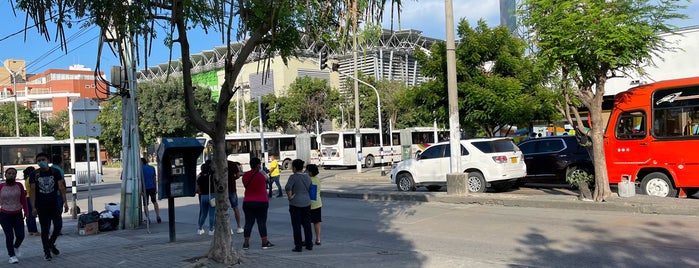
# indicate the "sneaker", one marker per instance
pixel 47 256
pixel 13 259
pixel 246 246
pixel 211 232
pixel 54 250
pixel 267 245
pixel 240 230
pixel 17 252
pixel 200 232
pixel 159 220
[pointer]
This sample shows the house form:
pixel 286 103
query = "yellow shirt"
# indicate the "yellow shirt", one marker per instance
pixel 316 203
pixel 274 168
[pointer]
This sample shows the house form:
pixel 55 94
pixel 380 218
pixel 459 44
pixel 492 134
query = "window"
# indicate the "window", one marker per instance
pixel 496 146
pixel 675 114
pixel 549 146
pixel 436 151
pixel 330 139
pixel 631 126
pixel 447 151
pixel 528 147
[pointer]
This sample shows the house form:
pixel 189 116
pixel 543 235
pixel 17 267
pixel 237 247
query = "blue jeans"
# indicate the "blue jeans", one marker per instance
pixel 272 180
pixel 13 227
pixel 205 209
pixel 31 219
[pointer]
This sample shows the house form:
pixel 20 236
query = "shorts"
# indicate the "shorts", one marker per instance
pixel 233 198
pixel 151 193
pixel 315 215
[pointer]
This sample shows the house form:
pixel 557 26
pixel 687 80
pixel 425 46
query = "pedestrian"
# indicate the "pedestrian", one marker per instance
pixel 274 177
pixel 255 203
pixel 31 218
pixel 204 189
pixel 45 184
pixel 56 162
pixel 299 205
pixel 149 183
pixel 12 202
pixel 316 204
pixel 234 172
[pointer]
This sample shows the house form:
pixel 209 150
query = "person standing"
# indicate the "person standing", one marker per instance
pixel 274 176
pixel 234 172
pixel 45 184
pixel 204 189
pixel 149 183
pixel 12 202
pixel 255 203
pixel 316 204
pixel 31 218
pixel 299 205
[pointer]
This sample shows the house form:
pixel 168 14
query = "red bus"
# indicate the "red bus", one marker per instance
pixel 652 137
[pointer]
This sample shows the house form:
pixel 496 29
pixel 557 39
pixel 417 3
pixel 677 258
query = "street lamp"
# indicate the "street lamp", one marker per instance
pixel 14 92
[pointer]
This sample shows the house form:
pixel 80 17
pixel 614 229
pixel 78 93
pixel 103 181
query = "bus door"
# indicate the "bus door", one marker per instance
pixel 629 148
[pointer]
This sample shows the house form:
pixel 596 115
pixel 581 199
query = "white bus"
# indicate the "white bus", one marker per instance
pixel 337 148
pixel 20 153
pixel 419 138
pixel 241 147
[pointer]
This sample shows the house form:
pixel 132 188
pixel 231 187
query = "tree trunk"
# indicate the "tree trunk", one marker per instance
pixel 602 190
pixel 222 249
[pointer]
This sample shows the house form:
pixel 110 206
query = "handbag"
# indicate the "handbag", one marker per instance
pixel 313 191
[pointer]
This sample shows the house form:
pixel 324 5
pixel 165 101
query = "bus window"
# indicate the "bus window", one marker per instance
pixel 370 140
pixel 331 139
pixel 348 139
pixel 288 144
pixel 631 125
pixel 396 138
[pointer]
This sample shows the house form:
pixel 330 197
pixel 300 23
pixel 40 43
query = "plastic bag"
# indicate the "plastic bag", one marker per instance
pixel 212 201
pixel 313 191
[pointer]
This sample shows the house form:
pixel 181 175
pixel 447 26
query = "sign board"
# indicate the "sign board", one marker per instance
pixel 87 130
pixel 85 111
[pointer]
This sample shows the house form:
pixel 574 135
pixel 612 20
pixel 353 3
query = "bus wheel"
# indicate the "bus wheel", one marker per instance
pixel 369 161
pixel 286 164
pixel 405 182
pixel 476 182
pixel 658 184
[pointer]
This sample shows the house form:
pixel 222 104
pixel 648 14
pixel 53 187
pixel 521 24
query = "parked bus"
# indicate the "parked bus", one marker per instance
pixel 419 138
pixel 20 153
pixel 241 147
pixel 337 148
pixel 652 137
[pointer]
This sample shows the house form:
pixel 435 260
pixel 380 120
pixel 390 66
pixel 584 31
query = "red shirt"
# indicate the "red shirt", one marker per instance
pixel 255 187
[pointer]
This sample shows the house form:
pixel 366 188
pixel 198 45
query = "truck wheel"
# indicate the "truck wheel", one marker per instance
pixel 286 164
pixel 658 184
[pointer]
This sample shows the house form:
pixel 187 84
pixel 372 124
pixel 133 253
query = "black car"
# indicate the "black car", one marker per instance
pixel 552 159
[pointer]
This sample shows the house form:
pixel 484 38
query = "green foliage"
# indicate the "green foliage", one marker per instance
pixel 161 114
pixel 308 100
pixel 576 178
pixel 28 121
pixel 59 125
pixel 498 85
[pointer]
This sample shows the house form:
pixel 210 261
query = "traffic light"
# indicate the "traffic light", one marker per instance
pixel 323 60
pixel 265 112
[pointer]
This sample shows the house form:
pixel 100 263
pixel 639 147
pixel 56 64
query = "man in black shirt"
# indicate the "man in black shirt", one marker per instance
pixel 45 183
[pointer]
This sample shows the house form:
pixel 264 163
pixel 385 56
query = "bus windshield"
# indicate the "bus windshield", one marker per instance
pixel 329 139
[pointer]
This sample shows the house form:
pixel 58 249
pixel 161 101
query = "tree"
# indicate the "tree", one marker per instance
pixel 500 85
pixel 109 119
pixel 59 125
pixel 589 42
pixel 28 121
pixel 310 100
pixel 273 27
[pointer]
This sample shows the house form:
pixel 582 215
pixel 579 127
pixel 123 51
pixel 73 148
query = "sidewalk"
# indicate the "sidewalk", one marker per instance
pixel 141 248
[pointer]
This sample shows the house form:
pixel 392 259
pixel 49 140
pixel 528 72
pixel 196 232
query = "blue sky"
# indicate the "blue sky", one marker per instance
pixel 424 15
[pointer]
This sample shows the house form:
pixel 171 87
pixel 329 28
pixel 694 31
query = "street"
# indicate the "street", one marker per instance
pixel 365 233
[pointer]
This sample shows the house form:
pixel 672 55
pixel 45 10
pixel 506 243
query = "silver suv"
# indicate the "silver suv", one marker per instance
pixel 495 162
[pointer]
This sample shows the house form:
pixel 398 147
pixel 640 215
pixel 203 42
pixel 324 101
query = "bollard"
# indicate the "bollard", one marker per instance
pixel 74 190
pixel 457 184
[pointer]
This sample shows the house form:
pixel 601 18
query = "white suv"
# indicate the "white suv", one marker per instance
pixel 495 162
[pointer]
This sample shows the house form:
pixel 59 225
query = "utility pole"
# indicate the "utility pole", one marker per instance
pixel 454 128
pixel 357 135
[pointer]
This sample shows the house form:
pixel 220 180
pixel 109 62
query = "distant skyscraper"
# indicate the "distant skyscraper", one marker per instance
pixel 507 14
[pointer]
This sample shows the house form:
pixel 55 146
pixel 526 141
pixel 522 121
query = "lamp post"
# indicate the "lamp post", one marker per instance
pixel 14 92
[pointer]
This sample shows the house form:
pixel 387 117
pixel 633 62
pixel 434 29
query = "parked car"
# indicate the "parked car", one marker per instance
pixel 495 162
pixel 552 159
